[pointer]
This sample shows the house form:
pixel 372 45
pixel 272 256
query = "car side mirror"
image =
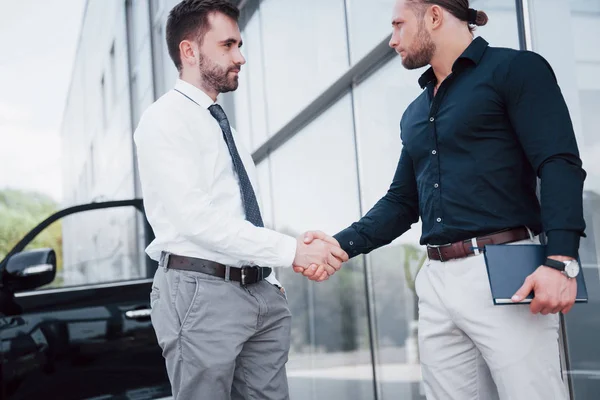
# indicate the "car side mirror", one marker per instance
pixel 30 269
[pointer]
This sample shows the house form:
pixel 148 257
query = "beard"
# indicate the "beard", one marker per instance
pixel 421 53
pixel 217 77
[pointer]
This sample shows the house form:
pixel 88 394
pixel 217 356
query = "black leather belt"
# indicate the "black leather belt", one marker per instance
pixel 244 275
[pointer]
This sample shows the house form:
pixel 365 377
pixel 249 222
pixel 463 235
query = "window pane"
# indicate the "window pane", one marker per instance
pixel 501 29
pixel 370 21
pixel 304 52
pixel 249 98
pixel 315 187
pixel 577 67
pixel 94 247
pixel 380 102
pixel 263 171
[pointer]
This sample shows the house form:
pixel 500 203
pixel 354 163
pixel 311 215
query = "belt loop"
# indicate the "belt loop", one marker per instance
pixel 530 233
pixel 475 246
pixel 165 259
pixel 227 270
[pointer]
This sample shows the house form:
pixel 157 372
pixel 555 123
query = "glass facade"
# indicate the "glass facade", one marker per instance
pixel 319 104
pixel 577 66
pixel 338 158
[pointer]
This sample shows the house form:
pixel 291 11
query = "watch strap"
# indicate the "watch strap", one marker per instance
pixel 559 265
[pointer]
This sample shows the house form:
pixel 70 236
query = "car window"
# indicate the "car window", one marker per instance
pixel 96 246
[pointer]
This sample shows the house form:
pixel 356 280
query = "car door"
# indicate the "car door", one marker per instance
pixel 87 333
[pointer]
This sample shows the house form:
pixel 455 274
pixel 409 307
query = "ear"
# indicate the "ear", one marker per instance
pixel 435 17
pixel 187 52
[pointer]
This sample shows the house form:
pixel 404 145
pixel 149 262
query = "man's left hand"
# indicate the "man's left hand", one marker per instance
pixel 554 292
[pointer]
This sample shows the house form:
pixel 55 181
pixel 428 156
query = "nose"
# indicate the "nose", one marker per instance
pixel 239 58
pixel 393 41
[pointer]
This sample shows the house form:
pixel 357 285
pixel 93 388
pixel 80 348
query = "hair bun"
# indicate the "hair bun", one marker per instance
pixel 481 19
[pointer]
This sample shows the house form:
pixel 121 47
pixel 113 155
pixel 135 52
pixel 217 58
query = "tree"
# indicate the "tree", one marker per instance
pixel 21 211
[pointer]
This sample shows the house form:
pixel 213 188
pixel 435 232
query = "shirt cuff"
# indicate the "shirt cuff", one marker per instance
pixel 288 251
pixel 563 243
pixel 349 241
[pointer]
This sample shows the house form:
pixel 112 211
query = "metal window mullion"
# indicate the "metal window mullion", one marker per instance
pixel 355 74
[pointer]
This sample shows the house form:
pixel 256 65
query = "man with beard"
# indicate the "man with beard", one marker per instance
pixel 220 316
pixel 488 123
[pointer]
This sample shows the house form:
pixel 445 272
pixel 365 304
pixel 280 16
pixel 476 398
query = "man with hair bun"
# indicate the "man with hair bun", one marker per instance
pixel 489 123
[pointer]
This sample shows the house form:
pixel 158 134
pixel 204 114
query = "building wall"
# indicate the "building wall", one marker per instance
pixel 97 140
pixel 321 89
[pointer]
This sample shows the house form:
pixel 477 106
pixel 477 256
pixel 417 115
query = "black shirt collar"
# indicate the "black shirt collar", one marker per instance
pixel 473 54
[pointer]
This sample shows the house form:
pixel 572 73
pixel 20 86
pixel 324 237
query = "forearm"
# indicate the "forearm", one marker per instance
pixel 239 239
pixel 380 226
pixel 389 218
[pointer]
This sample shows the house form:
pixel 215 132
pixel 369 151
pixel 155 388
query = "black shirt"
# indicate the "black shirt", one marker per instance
pixel 472 154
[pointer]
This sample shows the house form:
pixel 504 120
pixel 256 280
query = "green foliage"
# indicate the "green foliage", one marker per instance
pixel 412 254
pixel 21 211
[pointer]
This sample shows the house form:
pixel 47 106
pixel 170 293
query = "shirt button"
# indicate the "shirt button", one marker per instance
pixel 431 119
pixel 439 220
pixel 433 152
pixel 351 243
pixel 436 186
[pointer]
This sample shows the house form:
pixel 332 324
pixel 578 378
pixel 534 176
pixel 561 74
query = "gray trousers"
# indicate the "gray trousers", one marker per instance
pixel 221 341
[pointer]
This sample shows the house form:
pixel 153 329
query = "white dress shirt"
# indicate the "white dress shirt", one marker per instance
pixel 191 191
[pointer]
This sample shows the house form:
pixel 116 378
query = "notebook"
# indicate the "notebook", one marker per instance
pixel 509 265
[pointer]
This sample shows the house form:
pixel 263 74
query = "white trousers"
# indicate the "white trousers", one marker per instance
pixel 472 349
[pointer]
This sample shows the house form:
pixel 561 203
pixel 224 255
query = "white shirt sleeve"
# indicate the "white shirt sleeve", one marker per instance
pixel 168 163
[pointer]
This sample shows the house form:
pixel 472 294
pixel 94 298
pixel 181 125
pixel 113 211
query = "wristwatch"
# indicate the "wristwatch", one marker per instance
pixel 569 268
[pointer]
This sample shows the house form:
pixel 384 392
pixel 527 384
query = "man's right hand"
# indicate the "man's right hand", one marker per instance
pixel 319 258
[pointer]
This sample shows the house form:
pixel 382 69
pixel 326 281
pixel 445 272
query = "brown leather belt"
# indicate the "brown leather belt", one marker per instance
pixel 244 275
pixel 465 248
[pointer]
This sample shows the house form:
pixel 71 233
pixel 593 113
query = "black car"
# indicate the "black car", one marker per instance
pixel 92 340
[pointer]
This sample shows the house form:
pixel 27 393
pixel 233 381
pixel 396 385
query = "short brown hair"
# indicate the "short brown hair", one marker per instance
pixel 458 8
pixel 189 20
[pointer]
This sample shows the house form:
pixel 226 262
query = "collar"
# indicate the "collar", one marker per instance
pixel 194 93
pixel 473 54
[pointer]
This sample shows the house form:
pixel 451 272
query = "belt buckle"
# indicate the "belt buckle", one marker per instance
pixel 438 247
pixel 440 253
pixel 244 274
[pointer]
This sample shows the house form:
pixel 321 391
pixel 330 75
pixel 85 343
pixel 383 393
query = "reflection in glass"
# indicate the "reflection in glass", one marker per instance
pixel 100 246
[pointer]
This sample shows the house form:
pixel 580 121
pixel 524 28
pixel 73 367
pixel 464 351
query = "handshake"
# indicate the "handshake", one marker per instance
pixel 318 256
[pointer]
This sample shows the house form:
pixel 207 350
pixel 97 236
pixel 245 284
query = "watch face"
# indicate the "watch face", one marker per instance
pixel 572 269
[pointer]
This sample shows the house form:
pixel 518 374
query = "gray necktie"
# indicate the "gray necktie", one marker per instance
pixel 248 195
